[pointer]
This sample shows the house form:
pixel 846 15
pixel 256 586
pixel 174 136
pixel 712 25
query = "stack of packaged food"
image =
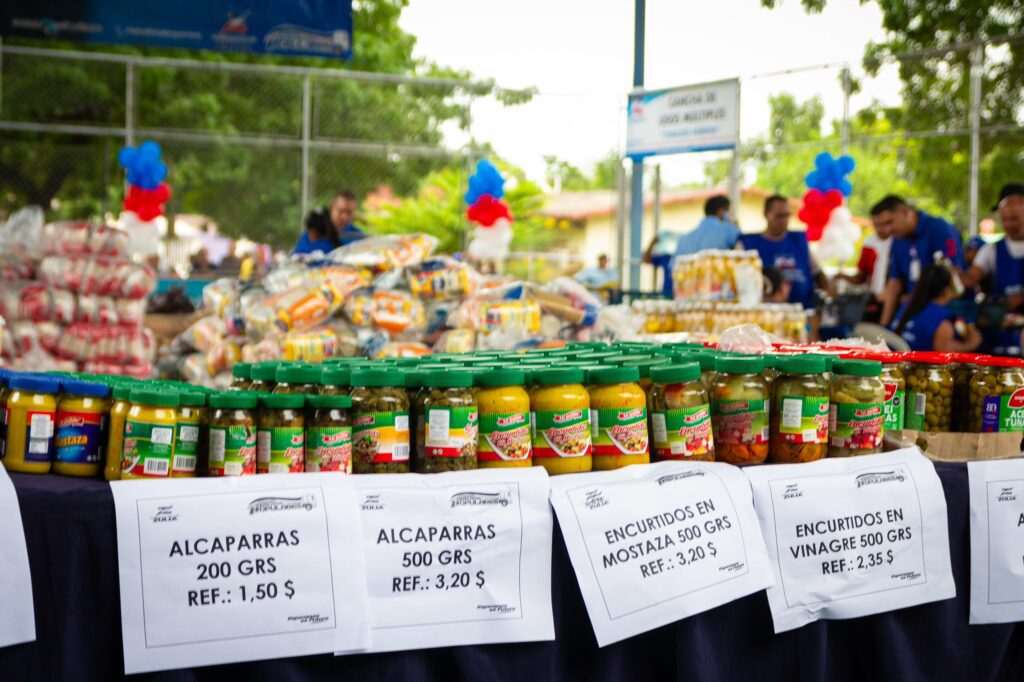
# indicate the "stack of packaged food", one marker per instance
pixel 719 276
pixel 785 320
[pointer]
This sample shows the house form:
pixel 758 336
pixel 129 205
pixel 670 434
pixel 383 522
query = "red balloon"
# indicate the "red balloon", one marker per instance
pixel 487 210
pixel 816 210
pixel 147 203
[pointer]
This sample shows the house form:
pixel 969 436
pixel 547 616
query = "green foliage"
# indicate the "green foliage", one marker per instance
pixel 568 178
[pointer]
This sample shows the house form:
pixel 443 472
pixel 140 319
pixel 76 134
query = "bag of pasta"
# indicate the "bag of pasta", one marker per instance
pixel 442 277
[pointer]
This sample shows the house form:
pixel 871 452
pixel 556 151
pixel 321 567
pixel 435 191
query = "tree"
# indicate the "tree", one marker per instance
pixel 563 176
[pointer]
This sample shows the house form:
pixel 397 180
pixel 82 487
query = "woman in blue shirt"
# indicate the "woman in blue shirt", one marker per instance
pixel 319 235
pixel 925 321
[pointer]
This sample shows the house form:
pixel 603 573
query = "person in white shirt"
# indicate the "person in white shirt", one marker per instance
pixel 873 267
pixel 1003 260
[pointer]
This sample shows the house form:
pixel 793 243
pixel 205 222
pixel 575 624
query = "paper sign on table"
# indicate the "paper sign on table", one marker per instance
pixel 17 617
pixel 651 545
pixel 852 537
pixel 238 569
pixel 457 558
pixel 997 541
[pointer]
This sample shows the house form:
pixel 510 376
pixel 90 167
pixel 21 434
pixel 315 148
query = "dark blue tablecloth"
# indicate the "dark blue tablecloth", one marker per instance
pixel 69 527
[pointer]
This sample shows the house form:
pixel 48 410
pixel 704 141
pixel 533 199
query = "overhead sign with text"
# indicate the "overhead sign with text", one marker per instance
pixel 851 537
pixel 651 545
pixel 238 569
pixel 17 616
pixel 997 541
pixel 691 118
pixel 457 558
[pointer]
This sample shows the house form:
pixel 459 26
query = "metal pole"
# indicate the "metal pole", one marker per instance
pixel 636 194
pixel 735 181
pixel 307 126
pixel 620 219
pixel 657 199
pixel 129 104
pixel 847 86
pixel 977 60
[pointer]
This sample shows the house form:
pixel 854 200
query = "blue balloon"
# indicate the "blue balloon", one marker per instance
pixel 486 180
pixel 823 161
pixel 845 187
pixel 846 164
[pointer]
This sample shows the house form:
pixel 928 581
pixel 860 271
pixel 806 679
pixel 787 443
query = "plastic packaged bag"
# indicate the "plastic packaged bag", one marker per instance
pixel 508 309
pixel 36 302
pixel 98 276
pixel 219 294
pixel 315 345
pixel 385 252
pixel 403 350
pixel 22 234
pixel 296 309
pixel 442 277
pixel 394 312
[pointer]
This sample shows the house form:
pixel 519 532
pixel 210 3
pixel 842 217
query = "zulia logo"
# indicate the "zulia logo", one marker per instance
pixel 1016 400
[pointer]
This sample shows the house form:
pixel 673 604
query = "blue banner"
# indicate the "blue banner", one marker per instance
pixel 321 28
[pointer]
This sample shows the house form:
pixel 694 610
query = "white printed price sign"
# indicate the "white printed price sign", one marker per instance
pixel 17 618
pixel 997 541
pixel 238 569
pixel 852 537
pixel 651 545
pixel 457 558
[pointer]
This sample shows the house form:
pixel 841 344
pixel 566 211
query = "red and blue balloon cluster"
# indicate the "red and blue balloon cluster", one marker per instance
pixel 486 188
pixel 147 191
pixel 827 187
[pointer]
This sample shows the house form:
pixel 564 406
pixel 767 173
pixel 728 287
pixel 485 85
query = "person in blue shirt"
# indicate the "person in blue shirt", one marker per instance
pixel 926 323
pixel 715 231
pixel 918 239
pixel 319 235
pixel 343 210
pixel 660 253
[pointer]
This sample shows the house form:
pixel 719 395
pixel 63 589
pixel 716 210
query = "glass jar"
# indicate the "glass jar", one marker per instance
pixel 895 390
pixel 31 413
pixel 929 391
pixel 241 376
pixel 450 422
pixel 706 359
pixel 857 414
pixel 380 421
pixel 263 376
pixel 644 367
pixel 80 435
pixel 680 414
pixel 799 410
pixel 335 380
pixel 281 434
pixel 297 379
pixel 996 403
pixel 149 433
pixel 504 406
pixel 232 450
pixel 740 399
pixel 618 418
pixel 191 436
pixel 329 434
pixel 963 368
pixel 115 431
pixel 560 419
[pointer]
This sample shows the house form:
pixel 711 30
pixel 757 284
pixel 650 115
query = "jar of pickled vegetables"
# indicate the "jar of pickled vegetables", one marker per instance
pixel 380 421
pixel 857 415
pixel 149 434
pixel 561 421
pixel 644 367
pixel 191 436
pixel 929 391
pixel 962 368
pixel 80 435
pixel 241 377
pixel 996 402
pixel 297 379
pixel 232 450
pixel 799 410
pixel 706 359
pixel 450 420
pixel 31 414
pixel 334 380
pixel 263 374
pixel 504 406
pixel 329 434
pixel 680 414
pixel 115 430
pixel 618 418
pixel 281 434
pixel 740 399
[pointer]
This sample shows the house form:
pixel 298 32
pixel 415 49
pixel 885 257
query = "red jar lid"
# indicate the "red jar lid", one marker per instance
pixel 928 357
pixel 886 357
pixel 967 358
pixel 999 361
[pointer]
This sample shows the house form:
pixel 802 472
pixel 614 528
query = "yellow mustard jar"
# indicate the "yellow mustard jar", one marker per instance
pixel 31 413
pixel 80 436
pixel 149 434
pixel 561 421
pixel 504 407
pixel 618 417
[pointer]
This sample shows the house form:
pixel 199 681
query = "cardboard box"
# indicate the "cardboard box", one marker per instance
pixel 957 447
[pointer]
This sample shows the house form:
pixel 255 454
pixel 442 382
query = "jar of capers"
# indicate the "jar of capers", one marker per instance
pixel 380 422
pixel 329 434
pixel 680 414
pixel 799 410
pixel 297 378
pixel 929 391
pixel 857 411
pixel 996 402
pixel 334 380
pixel 281 434
pixel 450 420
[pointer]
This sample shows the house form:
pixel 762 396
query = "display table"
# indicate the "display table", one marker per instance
pixel 69 529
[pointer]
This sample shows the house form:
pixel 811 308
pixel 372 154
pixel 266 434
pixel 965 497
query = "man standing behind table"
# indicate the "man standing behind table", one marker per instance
pixel 917 238
pixel 343 210
pixel 873 268
pixel 715 231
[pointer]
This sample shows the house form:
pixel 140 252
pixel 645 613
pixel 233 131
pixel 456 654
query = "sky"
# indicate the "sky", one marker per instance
pixel 579 54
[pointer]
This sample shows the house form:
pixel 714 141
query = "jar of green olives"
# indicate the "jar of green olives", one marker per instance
pixel 963 367
pixel 929 391
pixel 450 419
pixel 996 403
pixel 740 397
pixel 799 410
pixel 680 414
pixel 380 422
pixel 856 414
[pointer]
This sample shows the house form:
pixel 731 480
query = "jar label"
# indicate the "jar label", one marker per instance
pixel 562 433
pixel 739 422
pixel 620 431
pixel 147 449
pixel 186 449
pixel 329 448
pixel 856 426
pixel 80 437
pixel 380 437
pixel 1003 413
pixel 683 432
pixel 894 407
pixel 232 450
pixel 449 430
pixel 914 417
pixel 803 419
pixel 505 437
pixel 280 450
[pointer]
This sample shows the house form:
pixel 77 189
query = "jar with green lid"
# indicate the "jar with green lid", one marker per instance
pixel 31 414
pixel 618 418
pixel 644 367
pixel 561 421
pixel 297 379
pixel 413 381
pixel 504 406
pixel 191 437
pixel 263 376
pixel 232 449
pixel 451 422
pixel 706 360
pixel 740 400
pixel 857 414
pixel 121 393
pixel 680 414
pixel 799 410
pixel 335 380
pixel 80 435
pixel 996 403
pixel 281 434
pixel 148 448
pixel 963 367
pixel 329 434
pixel 380 421
pixel 929 391
pixel 241 376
